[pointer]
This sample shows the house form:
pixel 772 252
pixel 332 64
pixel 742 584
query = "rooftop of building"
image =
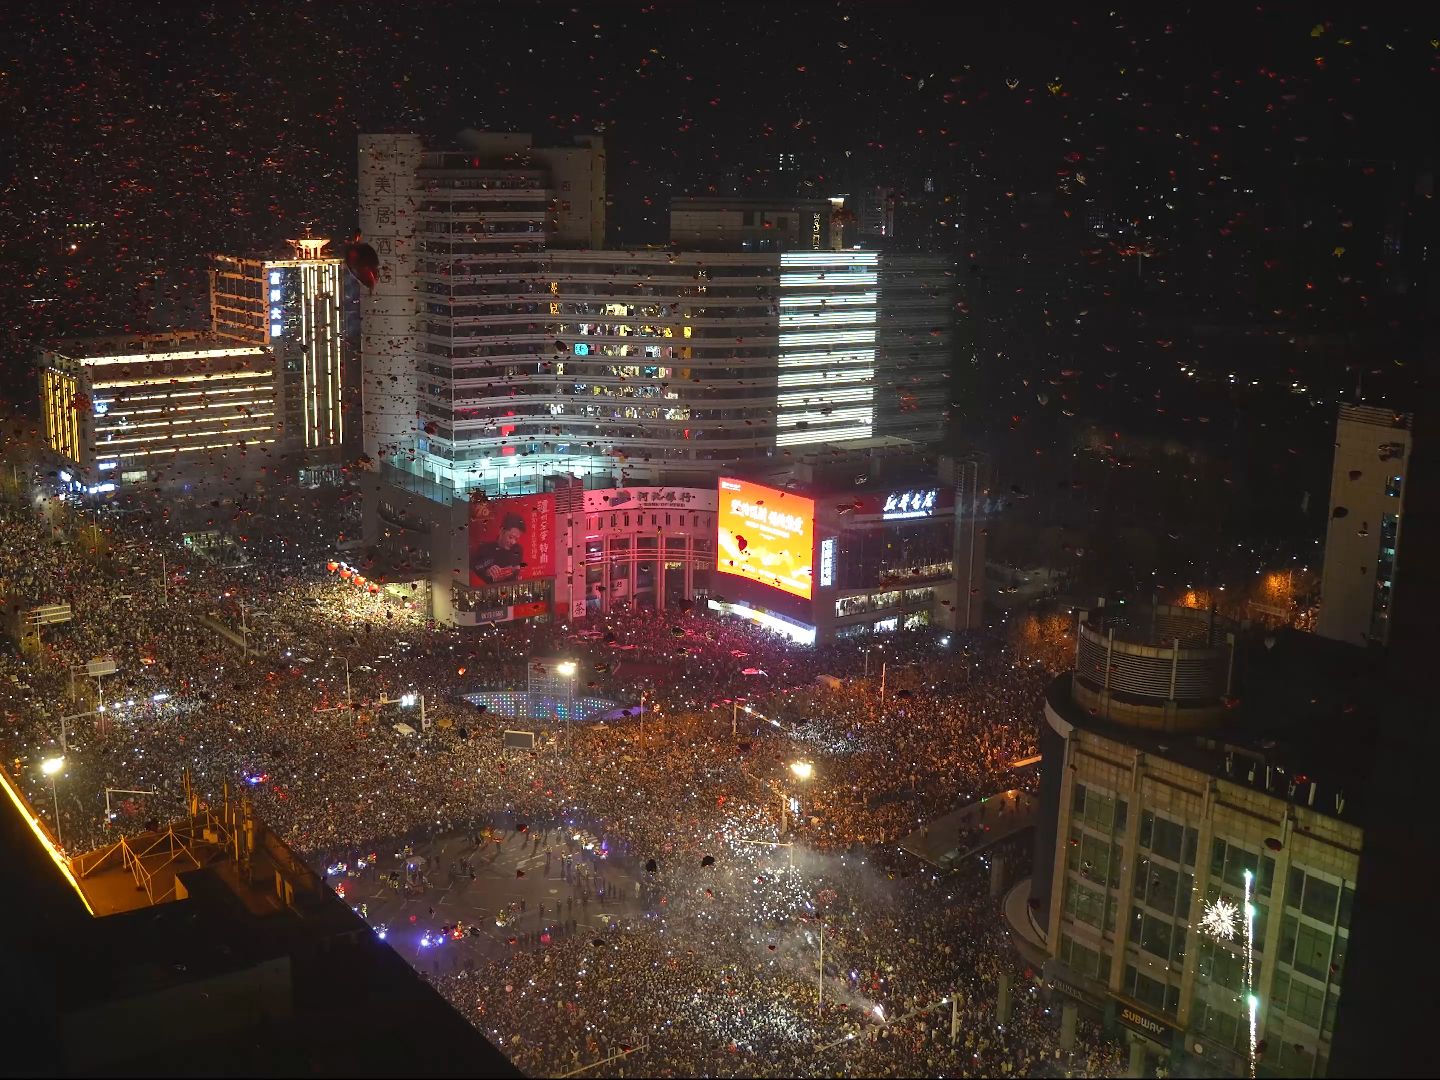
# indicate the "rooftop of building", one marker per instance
pixel 172 344
pixel 1375 414
pixel 1304 706
pixel 179 978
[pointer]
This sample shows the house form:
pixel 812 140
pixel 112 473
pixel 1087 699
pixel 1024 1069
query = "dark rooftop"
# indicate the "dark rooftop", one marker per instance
pixel 208 986
pixel 1304 706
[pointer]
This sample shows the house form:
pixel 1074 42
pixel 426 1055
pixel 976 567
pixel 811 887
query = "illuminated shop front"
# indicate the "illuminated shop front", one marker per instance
pixel 643 547
pixel 815 561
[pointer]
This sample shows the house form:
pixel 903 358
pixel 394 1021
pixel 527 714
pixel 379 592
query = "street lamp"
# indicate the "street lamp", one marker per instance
pixel 567 670
pixel 801 770
pixel 51 767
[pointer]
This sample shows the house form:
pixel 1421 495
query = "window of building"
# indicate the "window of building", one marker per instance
pixel 1392 487
pixel 1221 965
pixel 1147 991
pixel 1083 960
pixel 1321 898
pixel 1154 935
pixel 1169 837
pixel 1084 904
pixel 1220 1026
pixel 1229 863
pixel 1157 885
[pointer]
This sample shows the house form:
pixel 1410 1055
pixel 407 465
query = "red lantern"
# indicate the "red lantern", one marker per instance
pixel 332 566
pixel 374 589
pixel 345 574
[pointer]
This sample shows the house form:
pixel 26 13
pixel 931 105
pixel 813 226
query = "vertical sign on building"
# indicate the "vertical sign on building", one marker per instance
pixel 827 562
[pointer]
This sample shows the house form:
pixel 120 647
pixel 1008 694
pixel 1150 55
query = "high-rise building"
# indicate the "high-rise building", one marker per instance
pixel 293 306
pixel 436 216
pixel 1362 542
pixel 1201 838
pixel 153 408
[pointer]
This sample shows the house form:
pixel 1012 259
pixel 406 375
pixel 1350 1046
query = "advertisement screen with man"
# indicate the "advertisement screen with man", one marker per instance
pixel 512 539
pixel 766 535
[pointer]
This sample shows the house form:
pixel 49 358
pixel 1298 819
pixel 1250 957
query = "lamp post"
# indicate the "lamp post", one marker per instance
pixel 567 670
pixel 64 746
pixel 801 770
pixel 51 767
pixel 346 661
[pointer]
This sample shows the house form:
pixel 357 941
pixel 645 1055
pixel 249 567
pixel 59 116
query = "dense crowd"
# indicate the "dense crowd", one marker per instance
pixel 722 975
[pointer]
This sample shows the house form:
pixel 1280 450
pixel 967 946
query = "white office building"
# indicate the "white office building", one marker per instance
pixel 503 344
pixel 1362 541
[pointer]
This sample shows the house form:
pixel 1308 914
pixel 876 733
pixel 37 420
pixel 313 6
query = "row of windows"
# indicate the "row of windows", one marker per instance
pixel 620 519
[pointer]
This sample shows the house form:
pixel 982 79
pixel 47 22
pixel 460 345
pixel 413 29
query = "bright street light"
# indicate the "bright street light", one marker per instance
pixel 802 769
pixel 566 668
pixel 51 767
pixel 407 701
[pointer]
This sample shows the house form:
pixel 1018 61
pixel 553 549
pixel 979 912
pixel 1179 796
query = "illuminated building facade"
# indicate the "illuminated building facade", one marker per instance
pixel 503 346
pixel 1165 813
pixel 294 307
pixel 441 219
pixel 1362 541
pixel 148 408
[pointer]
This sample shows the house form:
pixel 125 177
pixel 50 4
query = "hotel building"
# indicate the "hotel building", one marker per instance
pixel 293 306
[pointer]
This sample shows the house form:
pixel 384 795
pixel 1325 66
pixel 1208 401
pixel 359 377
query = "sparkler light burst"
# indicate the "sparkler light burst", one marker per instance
pixel 1220 920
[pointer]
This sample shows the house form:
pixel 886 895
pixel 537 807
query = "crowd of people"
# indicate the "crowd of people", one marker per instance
pixel 722 976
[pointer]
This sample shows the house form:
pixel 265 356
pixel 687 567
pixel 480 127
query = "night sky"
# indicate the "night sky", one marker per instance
pixel 1268 171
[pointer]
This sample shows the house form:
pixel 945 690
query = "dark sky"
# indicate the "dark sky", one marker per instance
pixel 180 128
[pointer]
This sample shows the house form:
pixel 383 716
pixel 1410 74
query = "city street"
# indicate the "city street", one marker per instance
pixel 568 885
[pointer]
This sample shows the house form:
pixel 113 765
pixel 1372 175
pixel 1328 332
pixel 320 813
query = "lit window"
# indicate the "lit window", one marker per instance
pixel 1392 486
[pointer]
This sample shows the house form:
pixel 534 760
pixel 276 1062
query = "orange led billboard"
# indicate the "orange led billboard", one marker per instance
pixel 766 535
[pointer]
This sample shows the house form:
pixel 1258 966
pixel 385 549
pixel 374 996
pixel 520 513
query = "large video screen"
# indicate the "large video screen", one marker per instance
pixel 512 539
pixel 766 535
